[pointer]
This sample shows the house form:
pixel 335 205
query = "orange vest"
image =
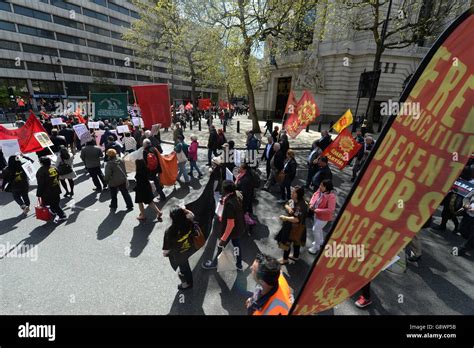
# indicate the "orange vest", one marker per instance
pixel 279 303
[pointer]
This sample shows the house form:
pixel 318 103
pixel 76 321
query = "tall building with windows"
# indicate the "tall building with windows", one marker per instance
pixel 60 49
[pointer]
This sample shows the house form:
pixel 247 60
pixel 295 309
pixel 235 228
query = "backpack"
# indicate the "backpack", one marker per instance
pixel 151 161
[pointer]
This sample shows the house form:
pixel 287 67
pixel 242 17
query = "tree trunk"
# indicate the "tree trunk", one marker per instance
pixel 248 84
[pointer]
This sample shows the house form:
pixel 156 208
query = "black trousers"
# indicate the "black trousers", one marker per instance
pixel 21 197
pixel 126 196
pixel 54 206
pixel 185 274
pixel 296 252
pixel 97 177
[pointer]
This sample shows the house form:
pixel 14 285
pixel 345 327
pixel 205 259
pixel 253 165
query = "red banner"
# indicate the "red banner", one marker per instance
pixel 154 102
pixel 413 165
pixel 25 134
pixel 306 112
pixel 204 104
pixel 291 104
pixel 342 149
pixel 223 104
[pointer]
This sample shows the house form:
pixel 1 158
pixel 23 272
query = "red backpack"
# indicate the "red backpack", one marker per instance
pixel 151 161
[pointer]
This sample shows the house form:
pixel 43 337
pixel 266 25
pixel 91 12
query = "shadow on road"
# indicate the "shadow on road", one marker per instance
pixel 110 224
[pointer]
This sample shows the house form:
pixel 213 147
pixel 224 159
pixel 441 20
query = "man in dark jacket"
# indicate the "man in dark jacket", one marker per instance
pixel 105 136
pixel 232 224
pixel 148 151
pixel 57 141
pixel 325 139
pixel 212 145
pixel 323 172
pixel 276 164
pixel 289 168
pixel 68 134
pixel 91 155
pixel 284 143
pixel 267 154
pixel 49 189
pixel 112 144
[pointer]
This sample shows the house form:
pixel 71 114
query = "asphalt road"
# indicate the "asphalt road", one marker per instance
pixel 98 262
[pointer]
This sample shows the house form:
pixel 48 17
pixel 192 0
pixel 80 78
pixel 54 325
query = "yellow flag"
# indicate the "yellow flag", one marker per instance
pixel 343 122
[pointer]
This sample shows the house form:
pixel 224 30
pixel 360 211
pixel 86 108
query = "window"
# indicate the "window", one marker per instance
pixel 5 6
pixel 7 26
pixel 95 15
pixel 44 1
pixel 100 2
pixel 101 60
pixel 121 62
pixel 102 73
pixel 71 39
pixel 99 45
pixel 116 35
pixel 74 55
pixel 9 45
pixel 385 70
pixel 10 64
pixel 394 66
pixel 160 69
pixel 65 5
pixel 76 71
pixel 39 49
pixel 144 78
pixel 118 8
pixel 68 22
pixel 44 67
pixel 25 11
pixel 124 76
pixel 97 30
pixel 36 32
pixel 119 22
pixel 50 87
pixel 135 14
pixel 123 50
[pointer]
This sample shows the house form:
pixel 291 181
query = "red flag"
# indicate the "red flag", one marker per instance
pixel 306 112
pixel 189 106
pixel 204 104
pixel 342 149
pixel 154 101
pixel 45 115
pixel 25 134
pixel 291 104
pixel 223 104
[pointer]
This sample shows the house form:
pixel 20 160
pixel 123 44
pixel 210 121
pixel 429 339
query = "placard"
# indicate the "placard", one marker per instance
pixel 123 129
pixel 155 129
pixel 93 125
pixel 43 139
pixel 29 170
pixel 56 121
pixel 10 147
pixel 82 133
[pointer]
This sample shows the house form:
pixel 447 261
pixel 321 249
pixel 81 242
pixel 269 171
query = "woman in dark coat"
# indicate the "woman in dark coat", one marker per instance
pixel 143 191
pixel 245 184
pixel 15 181
pixel 289 169
pixel 178 244
pixel 293 231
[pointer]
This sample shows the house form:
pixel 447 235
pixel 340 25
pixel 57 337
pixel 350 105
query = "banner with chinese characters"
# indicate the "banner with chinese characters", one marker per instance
pixel 342 149
pixel 406 176
pixel 306 112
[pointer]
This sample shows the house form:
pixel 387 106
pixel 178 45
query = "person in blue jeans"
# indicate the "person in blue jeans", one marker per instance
pixel 193 156
pixel 231 217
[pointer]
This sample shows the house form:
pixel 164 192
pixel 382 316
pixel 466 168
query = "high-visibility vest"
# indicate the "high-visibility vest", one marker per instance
pixel 280 303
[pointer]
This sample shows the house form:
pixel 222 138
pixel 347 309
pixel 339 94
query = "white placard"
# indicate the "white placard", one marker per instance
pixel 82 133
pixel 123 129
pixel 29 170
pixel 56 121
pixel 43 139
pixel 10 147
pixel 93 125
pixel 155 129
pixel 136 121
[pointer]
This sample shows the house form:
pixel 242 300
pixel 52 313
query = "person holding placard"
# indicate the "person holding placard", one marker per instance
pixel 15 180
pixel 64 164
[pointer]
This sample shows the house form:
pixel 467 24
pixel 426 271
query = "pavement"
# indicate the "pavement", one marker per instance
pixel 100 262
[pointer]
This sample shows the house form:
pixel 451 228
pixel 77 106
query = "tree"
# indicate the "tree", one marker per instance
pixel 409 23
pixel 254 22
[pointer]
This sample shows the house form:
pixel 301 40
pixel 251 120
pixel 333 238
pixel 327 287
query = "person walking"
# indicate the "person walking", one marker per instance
pixel 312 162
pixel 178 244
pixel 48 189
pixel 212 145
pixel 276 163
pixel 293 230
pixel 91 155
pixel 143 192
pixel 245 184
pixel 151 157
pixel 267 155
pixel 193 156
pixel 116 178
pixel 289 169
pixel 129 143
pixel 65 166
pixel 323 206
pixel 15 180
pixel 232 219
pixel 272 295
pixel 362 156
pixel 181 149
pixel 323 172
pixel 112 144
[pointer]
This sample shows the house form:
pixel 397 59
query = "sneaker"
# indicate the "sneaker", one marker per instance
pixel 362 302
pixel 313 250
pixel 58 219
pixel 208 265
pixel 283 261
pixel 294 258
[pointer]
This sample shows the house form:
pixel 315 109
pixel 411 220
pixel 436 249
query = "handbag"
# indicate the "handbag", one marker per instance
pixel 280 177
pixel 42 213
pixel 297 231
pixel 198 238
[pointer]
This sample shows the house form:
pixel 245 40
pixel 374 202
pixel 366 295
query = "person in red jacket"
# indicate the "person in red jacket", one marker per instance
pixel 193 156
pixel 323 205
